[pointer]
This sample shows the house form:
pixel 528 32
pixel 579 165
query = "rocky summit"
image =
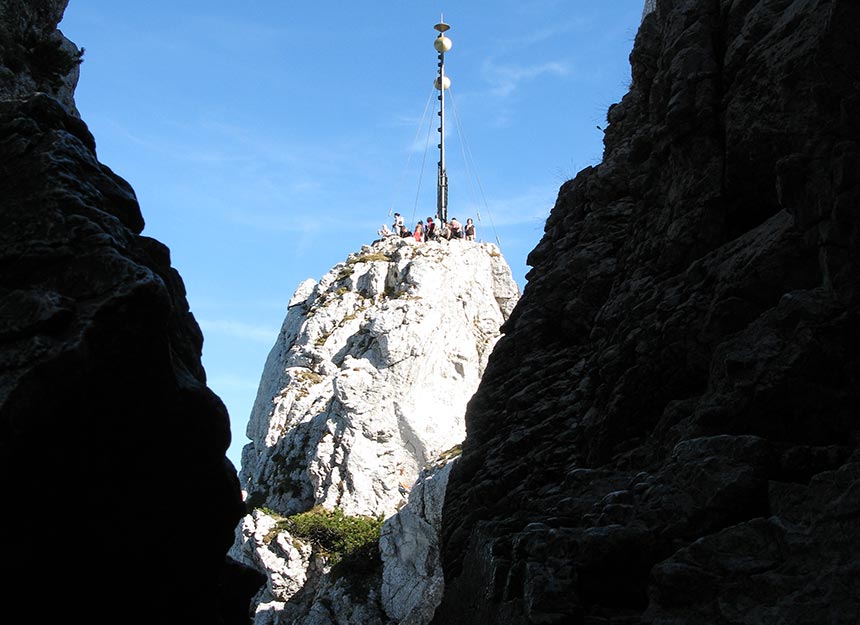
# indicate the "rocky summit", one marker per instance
pixel 364 390
pixel 667 431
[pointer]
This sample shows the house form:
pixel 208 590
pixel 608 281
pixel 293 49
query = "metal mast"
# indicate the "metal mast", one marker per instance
pixel 442 82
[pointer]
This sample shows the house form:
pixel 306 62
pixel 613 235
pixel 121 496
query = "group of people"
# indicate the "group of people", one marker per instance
pixel 428 231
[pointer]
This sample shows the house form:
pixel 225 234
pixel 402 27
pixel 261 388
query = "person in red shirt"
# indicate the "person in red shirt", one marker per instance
pixel 456 228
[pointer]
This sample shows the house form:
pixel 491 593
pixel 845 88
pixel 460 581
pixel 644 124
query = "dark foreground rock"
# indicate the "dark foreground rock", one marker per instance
pixel 120 504
pixel 668 433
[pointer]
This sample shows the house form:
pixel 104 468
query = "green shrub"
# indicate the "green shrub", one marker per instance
pixel 339 536
pixel 350 543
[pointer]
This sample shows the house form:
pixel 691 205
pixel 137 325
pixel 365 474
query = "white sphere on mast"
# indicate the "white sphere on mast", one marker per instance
pixel 442 43
pixel 445 81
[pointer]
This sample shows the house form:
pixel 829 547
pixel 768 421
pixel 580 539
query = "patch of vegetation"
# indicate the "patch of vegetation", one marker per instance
pixel 449 454
pixel 351 543
pixel 322 339
pixel 344 273
pixel 307 375
pixel 341 291
pixel 270 535
pixel 368 257
pixel 445 457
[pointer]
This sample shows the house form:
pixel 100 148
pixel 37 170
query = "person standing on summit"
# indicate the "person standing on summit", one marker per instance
pixel 469 229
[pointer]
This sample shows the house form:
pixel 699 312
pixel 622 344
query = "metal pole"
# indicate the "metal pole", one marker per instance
pixel 442 45
pixel 442 194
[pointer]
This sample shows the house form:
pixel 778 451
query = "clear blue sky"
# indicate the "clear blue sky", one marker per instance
pixel 268 140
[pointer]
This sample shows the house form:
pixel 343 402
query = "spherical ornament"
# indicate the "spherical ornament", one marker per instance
pixel 445 81
pixel 442 44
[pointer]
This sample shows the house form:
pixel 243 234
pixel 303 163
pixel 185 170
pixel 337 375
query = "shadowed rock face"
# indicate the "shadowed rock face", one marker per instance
pixel 668 430
pixel 36 56
pixel 119 502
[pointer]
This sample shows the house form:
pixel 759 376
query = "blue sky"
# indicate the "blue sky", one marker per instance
pixel 268 140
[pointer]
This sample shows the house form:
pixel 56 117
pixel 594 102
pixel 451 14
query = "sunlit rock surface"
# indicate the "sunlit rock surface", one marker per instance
pixel 366 385
pixel 412 580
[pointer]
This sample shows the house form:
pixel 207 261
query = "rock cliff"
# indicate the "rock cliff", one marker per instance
pixel 667 432
pixel 366 388
pixel 108 433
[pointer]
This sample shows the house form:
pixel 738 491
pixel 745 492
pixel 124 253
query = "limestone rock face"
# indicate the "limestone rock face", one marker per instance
pixel 366 384
pixel 412 579
pixel 667 431
pixel 108 432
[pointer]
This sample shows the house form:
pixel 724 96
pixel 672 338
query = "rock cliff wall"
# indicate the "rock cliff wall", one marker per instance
pixel 108 433
pixel 365 387
pixel 668 430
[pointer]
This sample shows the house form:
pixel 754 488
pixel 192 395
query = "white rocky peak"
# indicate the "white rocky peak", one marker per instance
pixel 364 389
pixel 370 375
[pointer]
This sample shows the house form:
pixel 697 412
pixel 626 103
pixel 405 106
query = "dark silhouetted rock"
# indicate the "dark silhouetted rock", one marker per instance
pixel 120 504
pixel 668 431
